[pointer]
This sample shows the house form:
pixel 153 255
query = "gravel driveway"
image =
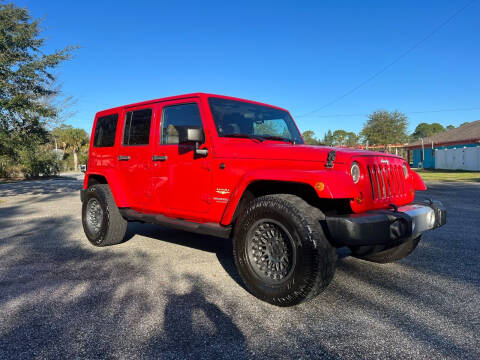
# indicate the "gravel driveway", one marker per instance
pixel 170 294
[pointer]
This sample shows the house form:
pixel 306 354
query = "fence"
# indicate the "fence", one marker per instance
pixel 467 158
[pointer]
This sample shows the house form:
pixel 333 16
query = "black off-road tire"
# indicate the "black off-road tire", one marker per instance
pixel 112 226
pixel 313 257
pixel 389 255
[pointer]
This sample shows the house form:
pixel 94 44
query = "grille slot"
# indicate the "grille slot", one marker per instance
pixel 387 181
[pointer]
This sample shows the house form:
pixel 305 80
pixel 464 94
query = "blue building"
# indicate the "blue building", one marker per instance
pixel 467 135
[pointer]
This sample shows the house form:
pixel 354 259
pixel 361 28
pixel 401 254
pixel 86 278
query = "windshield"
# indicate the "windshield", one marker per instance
pixel 241 119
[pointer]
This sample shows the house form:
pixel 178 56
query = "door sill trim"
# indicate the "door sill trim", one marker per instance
pixel 158 219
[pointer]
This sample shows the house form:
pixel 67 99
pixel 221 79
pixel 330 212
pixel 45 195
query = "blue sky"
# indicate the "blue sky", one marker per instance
pixel 294 54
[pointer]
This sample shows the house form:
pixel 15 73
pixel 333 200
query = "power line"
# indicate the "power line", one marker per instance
pixel 407 113
pixel 396 60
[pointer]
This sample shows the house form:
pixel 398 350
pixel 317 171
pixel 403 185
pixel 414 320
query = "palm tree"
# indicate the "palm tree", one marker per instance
pixel 71 139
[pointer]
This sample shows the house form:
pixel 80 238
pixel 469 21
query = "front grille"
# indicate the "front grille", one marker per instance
pixel 387 181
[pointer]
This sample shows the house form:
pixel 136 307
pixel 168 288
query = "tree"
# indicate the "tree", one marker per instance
pixel 309 137
pixel 352 139
pixel 385 127
pixel 26 83
pixel 450 127
pixel 339 137
pixel 72 140
pixel 328 138
pixel 424 130
pixel 25 72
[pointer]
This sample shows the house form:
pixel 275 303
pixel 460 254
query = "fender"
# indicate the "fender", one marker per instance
pixel 418 183
pixel 337 184
pixel 115 184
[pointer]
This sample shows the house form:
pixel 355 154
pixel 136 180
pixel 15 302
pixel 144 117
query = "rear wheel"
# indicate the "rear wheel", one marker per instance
pixel 280 250
pixel 102 222
pixel 387 255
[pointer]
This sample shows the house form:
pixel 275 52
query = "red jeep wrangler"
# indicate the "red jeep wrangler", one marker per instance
pixel 239 169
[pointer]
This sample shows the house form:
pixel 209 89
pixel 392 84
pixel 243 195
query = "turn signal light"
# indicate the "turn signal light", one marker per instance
pixel 319 186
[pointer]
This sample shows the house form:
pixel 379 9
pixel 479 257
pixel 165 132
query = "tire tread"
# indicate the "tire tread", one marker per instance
pixel 116 224
pixel 324 254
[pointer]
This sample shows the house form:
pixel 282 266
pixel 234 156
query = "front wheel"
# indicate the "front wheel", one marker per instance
pixel 280 250
pixel 102 222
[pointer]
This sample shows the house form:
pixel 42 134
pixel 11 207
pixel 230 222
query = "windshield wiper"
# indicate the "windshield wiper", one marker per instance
pixel 246 136
pixel 280 138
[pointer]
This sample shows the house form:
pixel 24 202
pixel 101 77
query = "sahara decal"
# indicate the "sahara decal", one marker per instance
pixel 223 191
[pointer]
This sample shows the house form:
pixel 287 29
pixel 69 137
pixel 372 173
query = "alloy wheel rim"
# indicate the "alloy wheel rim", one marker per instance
pixel 94 215
pixel 270 251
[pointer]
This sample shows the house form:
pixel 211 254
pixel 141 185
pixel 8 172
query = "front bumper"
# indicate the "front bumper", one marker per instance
pixel 386 226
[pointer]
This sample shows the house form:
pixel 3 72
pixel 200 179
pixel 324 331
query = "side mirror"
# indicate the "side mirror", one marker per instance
pixel 195 135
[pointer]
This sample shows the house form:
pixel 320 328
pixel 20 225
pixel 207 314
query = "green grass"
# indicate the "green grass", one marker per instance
pixel 448 175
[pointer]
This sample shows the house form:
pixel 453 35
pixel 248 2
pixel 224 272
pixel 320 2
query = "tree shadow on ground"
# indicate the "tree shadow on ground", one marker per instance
pixel 221 247
pixel 62 298
pixel 197 327
pixel 41 187
pixel 59 298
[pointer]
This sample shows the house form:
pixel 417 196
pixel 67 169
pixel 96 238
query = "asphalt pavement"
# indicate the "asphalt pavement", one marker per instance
pixel 167 294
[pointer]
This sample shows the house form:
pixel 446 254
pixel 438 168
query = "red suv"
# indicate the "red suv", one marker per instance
pixel 239 170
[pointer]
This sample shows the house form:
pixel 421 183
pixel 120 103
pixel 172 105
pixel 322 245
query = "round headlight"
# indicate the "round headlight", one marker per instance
pixel 405 170
pixel 355 172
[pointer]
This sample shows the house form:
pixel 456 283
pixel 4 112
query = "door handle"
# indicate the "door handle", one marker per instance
pixel 159 158
pixel 123 157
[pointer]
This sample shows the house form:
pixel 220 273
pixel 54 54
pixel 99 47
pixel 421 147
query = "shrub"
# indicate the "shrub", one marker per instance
pixel 38 161
pixel 5 166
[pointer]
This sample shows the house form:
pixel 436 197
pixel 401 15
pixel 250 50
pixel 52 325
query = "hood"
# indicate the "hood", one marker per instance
pixel 247 149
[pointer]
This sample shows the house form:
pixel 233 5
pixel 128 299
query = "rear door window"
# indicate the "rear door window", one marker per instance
pixel 105 130
pixel 137 127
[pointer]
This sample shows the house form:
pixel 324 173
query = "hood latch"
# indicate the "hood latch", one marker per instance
pixel 330 159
